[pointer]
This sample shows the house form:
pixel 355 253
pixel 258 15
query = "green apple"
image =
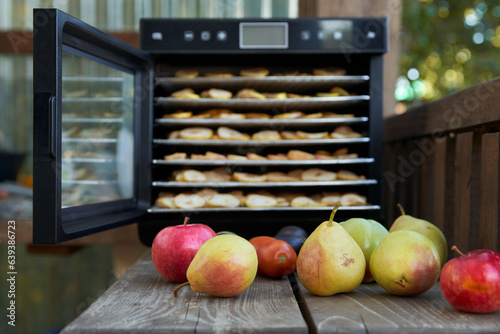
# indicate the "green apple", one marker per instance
pixel 431 231
pixel 367 233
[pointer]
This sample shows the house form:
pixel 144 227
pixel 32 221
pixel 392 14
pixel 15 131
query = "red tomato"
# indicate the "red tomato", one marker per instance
pixel 276 257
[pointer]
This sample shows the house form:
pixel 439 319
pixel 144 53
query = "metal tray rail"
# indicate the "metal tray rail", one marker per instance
pixel 260 122
pixel 254 143
pixel 236 184
pixel 314 162
pixel 271 83
pixel 156 209
pixel 262 104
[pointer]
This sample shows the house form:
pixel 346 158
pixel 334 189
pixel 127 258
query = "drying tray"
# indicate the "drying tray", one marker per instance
pixel 236 184
pixel 227 162
pixel 156 209
pixel 271 83
pixel 255 143
pixel 261 104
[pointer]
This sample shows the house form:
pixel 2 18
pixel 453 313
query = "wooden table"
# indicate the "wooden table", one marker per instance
pixel 141 301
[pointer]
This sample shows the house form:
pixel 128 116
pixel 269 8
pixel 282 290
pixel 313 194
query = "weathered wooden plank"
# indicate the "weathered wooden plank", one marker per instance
pixel 462 196
pixel 489 227
pixel 439 183
pixel 370 309
pixel 143 301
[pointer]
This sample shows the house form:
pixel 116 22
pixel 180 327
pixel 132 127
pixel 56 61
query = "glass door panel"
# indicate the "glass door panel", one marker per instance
pixel 97 132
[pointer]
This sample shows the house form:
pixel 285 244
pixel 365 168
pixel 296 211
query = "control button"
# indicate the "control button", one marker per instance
pixel 221 35
pixel 157 36
pixel 338 35
pixel 305 35
pixel 205 35
pixel 188 35
pixel 371 35
pixel 321 35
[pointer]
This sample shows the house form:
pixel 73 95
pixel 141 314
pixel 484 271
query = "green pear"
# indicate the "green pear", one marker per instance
pixel 431 231
pixel 330 261
pixel 405 263
pixel 367 233
pixel 224 266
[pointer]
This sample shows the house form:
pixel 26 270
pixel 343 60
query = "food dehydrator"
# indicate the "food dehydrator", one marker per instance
pixel 245 125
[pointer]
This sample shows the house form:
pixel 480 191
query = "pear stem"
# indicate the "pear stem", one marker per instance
pixel 401 282
pixel 401 209
pixel 180 286
pixel 186 219
pixel 455 248
pixel 335 208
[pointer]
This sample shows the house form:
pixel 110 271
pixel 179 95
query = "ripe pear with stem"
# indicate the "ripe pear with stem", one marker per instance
pixel 431 231
pixel 405 263
pixel 330 261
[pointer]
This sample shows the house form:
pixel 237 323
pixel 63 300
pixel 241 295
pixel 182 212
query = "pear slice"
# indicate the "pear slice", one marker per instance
pixel 248 177
pixel 231 134
pixel 260 201
pixel 198 133
pixel 189 201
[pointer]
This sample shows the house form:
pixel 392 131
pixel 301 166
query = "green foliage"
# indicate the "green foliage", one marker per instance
pixel 447 46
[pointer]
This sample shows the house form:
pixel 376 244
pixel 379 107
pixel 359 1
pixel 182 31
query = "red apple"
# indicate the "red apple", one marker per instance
pixel 174 248
pixel 471 282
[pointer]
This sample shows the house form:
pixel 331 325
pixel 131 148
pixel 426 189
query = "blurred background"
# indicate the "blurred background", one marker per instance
pixel 437 48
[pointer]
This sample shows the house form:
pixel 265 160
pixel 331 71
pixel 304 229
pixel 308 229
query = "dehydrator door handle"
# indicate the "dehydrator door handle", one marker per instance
pixel 92 129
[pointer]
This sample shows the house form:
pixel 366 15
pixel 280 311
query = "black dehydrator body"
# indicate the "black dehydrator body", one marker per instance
pixel 305 90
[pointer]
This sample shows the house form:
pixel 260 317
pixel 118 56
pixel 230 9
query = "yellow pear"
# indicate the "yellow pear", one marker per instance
pixel 224 266
pixel 330 261
pixel 405 263
pixel 431 231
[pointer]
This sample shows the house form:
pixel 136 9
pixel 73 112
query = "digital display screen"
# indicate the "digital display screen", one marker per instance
pixel 263 35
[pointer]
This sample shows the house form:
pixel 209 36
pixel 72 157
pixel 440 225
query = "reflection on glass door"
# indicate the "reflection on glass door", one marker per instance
pixel 97 132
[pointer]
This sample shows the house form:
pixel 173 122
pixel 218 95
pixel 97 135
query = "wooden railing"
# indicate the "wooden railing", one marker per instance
pixel 442 163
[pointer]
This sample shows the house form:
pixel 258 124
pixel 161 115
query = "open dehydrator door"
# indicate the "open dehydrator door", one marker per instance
pixel 92 116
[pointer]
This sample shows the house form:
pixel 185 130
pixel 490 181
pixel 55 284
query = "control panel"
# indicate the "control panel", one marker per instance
pixel 337 35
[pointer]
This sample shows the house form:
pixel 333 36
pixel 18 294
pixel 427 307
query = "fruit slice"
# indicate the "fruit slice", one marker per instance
pixel 290 115
pixel 330 199
pixel 175 156
pixel 248 177
pixel 192 175
pixel 189 201
pixel 278 156
pixel 257 115
pixel 254 156
pixel 220 174
pixel 351 198
pixel 332 70
pixel 179 114
pixel 223 201
pixel 249 93
pixel 215 93
pixel 186 93
pixel 214 156
pixel 266 135
pixel 236 157
pixel 260 201
pixel 312 135
pixel 280 95
pixel 299 155
pixel 186 73
pixel 289 135
pixel 279 177
pixel 318 174
pixel 231 134
pixel 254 72
pixel 196 133
pixel 303 201
pixel 347 175
pixel 165 202
pixel 207 193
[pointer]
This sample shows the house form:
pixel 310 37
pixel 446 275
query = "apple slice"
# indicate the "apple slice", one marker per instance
pixel 351 198
pixel 318 174
pixel 248 177
pixel 231 134
pixel 223 201
pixel 198 133
pixel 189 201
pixel 260 201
